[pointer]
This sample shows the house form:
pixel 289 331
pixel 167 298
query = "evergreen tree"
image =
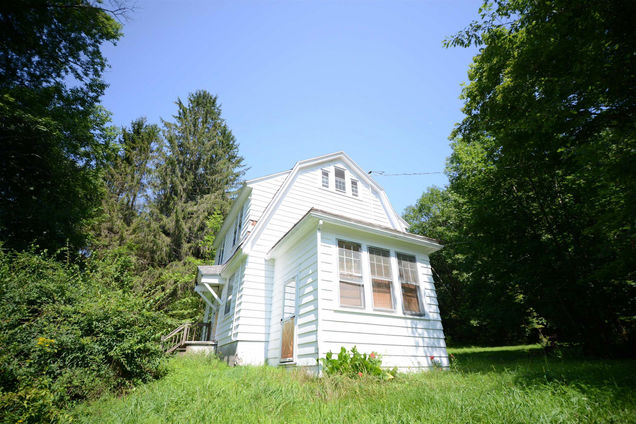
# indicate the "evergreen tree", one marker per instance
pixel 197 171
pixel 128 182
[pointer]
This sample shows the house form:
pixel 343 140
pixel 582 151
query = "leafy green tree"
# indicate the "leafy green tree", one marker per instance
pixel 54 138
pixel 127 180
pixel 475 310
pixel 197 171
pixel 543 162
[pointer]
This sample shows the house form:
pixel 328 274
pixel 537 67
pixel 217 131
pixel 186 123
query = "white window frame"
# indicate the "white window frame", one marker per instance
pixel 349 280
pixel 416 283
pixel 354 188
pixel 384 279
pixel 342 181
pixel 324 178
pixel 229 296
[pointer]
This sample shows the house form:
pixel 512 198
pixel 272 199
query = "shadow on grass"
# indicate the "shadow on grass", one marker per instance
pixel 530 366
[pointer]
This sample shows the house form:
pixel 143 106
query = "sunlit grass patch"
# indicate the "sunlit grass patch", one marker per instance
pixel 511 385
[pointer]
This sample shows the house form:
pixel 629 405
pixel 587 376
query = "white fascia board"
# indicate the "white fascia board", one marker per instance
pixel 430 245
pixel 314 218
pixel 302 228
pixel 230 266
pixel 266 177
pixel 236 205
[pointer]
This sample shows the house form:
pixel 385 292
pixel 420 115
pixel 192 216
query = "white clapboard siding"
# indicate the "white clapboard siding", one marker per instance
pixel 299 266
pixel 404 341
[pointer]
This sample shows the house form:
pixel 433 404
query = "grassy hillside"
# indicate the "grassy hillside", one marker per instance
pixel 511 385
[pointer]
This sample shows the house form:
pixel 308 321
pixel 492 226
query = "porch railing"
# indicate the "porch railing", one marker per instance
pixel 188 332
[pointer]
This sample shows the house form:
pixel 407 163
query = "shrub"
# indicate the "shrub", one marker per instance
pixel 356 364
pixel 71 332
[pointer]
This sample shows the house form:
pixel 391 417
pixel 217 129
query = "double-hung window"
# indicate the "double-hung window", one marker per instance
pixel 354 188
pixel 350 270
pixel 410 284
pixel 340 180
pixel 381 278
pixel 325 178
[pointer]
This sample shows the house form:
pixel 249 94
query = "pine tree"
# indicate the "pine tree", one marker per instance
pixel 197 171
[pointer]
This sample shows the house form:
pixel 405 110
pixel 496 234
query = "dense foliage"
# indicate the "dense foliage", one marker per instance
pixel 69 334
pixel 540 211
pixel 101 228
pixel 54 139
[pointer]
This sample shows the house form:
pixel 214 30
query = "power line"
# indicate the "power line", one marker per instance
pixel 385 174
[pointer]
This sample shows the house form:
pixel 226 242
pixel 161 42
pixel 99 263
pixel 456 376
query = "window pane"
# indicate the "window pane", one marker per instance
pixel 340 180
pixel 325 179
pixel 349 258
pixel 228 296
pixel 382 294
pixel 408 268
pixel 411 298
pixel 380 262
pixel 350 294
pixel 354 188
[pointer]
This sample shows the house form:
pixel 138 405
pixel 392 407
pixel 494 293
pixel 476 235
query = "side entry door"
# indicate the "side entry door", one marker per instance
pixel 288 321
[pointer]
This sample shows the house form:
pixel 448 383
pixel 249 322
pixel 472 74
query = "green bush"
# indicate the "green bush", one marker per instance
pixel 71 332
pixel 356 364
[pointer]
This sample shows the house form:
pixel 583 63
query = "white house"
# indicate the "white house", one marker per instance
pixel 316 258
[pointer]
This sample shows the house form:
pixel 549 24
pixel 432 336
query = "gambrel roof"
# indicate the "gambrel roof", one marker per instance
pixel 396 220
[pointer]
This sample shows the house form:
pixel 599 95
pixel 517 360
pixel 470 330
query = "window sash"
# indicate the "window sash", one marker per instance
pixel 411 299
pixel 382 294
pixel 351 294
pixel 325 179
pixel 407 266
pixel 340 180
pixel 354 188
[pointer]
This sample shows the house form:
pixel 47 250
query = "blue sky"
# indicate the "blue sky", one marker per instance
pixel 298 79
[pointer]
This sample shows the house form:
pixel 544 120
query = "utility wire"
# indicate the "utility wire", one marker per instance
pixel 385 174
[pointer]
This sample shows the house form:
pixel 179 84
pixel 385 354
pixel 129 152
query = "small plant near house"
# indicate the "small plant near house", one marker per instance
pixel 356 364
pixel 436 363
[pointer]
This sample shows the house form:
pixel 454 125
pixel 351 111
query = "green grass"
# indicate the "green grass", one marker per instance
pixel 493 385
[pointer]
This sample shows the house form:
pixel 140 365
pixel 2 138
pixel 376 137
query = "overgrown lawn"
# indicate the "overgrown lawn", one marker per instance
pixel 508 385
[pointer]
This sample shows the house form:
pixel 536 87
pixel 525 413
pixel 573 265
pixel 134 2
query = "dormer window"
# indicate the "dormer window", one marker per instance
pixel 354 188
pixel 325 178
pixel 340 180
